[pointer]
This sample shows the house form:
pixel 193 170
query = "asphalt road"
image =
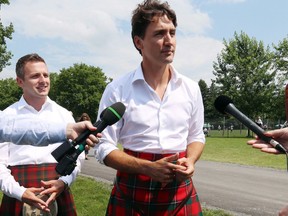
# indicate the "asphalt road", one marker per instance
pixel 241 190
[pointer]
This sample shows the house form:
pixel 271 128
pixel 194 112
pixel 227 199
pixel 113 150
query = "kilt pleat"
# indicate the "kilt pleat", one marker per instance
pixel 31 176
pixel 139 195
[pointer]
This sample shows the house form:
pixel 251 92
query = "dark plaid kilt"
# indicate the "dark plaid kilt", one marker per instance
pixel 136 195
pixel 31 176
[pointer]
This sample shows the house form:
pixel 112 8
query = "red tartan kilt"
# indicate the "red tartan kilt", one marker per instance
pixel 137 195
pixel 31 176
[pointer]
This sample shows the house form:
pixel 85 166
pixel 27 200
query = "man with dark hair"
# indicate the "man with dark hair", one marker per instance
pixel 29 170
pixel 162 129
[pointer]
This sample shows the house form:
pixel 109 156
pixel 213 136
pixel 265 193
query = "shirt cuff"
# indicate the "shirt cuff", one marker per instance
pixel 19 193
pixel 102 150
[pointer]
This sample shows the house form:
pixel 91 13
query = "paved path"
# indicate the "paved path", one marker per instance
pixel 243 190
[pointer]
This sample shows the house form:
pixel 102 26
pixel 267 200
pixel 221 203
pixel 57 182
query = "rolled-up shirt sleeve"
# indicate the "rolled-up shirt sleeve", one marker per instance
pixel 197 119
pixel 110 136
pixel 107 143
pixel 102 150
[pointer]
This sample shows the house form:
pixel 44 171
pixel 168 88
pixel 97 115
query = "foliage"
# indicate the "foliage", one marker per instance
pixel 5 33
pixel 53 90
pixel 281 61
pixel 9 92
pixel 280 64
pixel 243 69
pixel 209 95
pixel 79 89
pixel 205 92
pixel 4 2
pixel 244 72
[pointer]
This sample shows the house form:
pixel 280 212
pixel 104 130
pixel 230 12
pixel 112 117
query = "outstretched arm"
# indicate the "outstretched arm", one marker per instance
pixel 39 132
pixel 280 135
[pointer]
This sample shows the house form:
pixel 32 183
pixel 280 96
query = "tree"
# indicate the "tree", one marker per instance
pixel 281 55
pixel 5 33
pixel 204 91
pixel 53 90
pixel 244 72
pixel 10 92
pixel 79 89
pixel 281 60
pixel 208 97
pixel 213 93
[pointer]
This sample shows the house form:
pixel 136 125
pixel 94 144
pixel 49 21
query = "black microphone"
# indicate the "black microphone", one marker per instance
pixel 108 116
pixel 66 154
pixel 225 105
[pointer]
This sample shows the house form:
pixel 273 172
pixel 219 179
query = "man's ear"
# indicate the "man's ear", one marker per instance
pixel 138 42
pixel 19 81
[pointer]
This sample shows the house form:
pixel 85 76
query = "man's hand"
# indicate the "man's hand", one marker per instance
pixel 73 130
pixel 163 170
pixel 30 198
pixel 280 135
pixel 181 174
pixel 53 189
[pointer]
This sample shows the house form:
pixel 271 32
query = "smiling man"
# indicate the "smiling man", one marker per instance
pixel 28 170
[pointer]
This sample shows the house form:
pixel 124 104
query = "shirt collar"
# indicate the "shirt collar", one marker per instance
pixel 138 75
pixel 23 104
pixel 176 78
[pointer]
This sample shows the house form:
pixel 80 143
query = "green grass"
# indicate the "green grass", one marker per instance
pixel 90 196
pixel 211 212
pixel 236 150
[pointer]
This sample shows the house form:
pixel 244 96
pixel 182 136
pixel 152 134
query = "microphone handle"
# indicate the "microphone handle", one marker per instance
pixel 101 125
pixel 83 136
pixel 254 127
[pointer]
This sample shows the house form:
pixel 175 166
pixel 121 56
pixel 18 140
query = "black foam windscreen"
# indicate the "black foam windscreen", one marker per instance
pixel 113 113
pixel 222 102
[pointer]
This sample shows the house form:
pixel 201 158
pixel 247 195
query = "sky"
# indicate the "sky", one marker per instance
pixel 97 32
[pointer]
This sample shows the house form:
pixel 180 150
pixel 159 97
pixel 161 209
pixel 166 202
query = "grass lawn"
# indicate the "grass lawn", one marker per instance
pixel 90 196
pixel 236 150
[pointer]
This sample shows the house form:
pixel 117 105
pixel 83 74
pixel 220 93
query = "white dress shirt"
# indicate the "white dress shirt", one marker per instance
pixel 150 124
pixel 14 154
pixel 13 129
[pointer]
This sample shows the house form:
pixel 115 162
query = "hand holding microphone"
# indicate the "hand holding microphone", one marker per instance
pixel 225 105
pixel 281 135
pixel 66 154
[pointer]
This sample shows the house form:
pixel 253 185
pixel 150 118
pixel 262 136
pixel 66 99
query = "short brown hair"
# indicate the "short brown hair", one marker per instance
pixel 33 57
pixel 143 15
pixel 84 115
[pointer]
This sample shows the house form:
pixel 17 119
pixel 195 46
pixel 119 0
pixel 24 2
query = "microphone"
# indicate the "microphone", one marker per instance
pixel 108 116
pixel 225 105
pixel 66 154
